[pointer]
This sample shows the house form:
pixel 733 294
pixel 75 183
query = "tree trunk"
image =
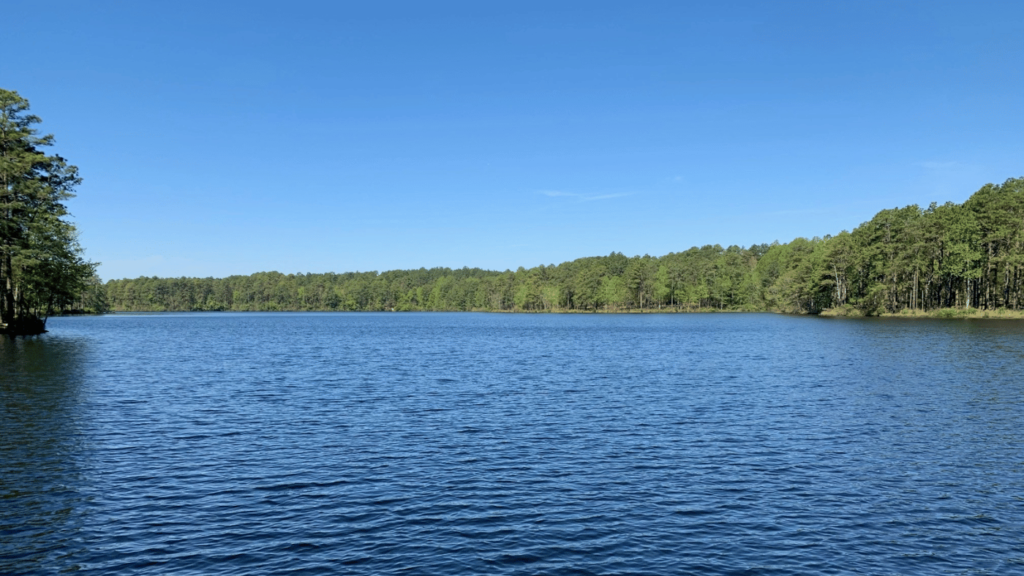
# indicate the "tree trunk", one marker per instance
pixel 7 298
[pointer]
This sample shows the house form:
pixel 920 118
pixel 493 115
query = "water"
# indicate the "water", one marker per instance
pixel 512 444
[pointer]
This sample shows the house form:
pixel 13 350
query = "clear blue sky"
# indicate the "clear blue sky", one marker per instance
pixel 231 138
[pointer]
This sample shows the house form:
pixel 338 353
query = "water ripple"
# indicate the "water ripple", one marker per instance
pixel 511 444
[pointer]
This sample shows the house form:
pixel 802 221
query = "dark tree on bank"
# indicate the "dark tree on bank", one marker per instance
pixel 41 263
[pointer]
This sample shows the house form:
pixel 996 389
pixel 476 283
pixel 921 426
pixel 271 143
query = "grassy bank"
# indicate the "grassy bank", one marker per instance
pixel 996 314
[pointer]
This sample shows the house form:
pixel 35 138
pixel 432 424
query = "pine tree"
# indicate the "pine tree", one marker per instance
pixel 41 263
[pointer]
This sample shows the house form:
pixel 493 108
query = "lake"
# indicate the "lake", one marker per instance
pixel 361 443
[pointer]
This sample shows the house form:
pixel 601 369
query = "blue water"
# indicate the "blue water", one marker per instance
pixel 512 444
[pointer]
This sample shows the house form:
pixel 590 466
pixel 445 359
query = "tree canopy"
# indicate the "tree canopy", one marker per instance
pixel 41 264
pixel 912 258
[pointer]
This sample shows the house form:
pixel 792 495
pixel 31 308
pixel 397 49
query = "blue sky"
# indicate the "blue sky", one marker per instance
pixel 231 138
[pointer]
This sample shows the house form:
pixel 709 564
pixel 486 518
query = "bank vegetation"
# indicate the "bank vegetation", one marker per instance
pixel 904 261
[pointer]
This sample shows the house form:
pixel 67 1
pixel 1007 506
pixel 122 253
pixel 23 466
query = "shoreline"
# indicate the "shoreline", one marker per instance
pixel 936 313
pixel 848 312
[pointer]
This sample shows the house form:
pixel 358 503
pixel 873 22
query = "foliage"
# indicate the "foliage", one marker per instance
pixel 41 264
pixel 944 257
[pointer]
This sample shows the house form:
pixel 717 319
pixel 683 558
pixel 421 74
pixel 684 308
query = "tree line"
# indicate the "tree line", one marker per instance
pixel 943 256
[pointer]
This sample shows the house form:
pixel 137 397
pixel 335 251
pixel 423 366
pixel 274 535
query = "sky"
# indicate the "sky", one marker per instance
pixel 220 138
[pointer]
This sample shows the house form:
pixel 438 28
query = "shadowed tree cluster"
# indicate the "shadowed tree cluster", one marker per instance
pixel 953 255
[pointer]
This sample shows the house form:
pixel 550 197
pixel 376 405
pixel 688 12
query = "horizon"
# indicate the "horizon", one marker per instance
pixel 214 141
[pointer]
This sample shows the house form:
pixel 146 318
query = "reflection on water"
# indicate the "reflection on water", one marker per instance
pixel 512 444
pixel 41 478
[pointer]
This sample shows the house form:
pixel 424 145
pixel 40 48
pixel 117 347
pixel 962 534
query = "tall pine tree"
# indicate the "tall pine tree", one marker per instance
pixel 41 263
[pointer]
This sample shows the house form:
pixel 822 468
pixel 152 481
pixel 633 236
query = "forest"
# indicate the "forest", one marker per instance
pixel 949 256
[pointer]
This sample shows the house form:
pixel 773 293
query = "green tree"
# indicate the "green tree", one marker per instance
pixel 41 265
pixel 662 285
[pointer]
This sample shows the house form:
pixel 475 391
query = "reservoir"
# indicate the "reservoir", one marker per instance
pixel 464 443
